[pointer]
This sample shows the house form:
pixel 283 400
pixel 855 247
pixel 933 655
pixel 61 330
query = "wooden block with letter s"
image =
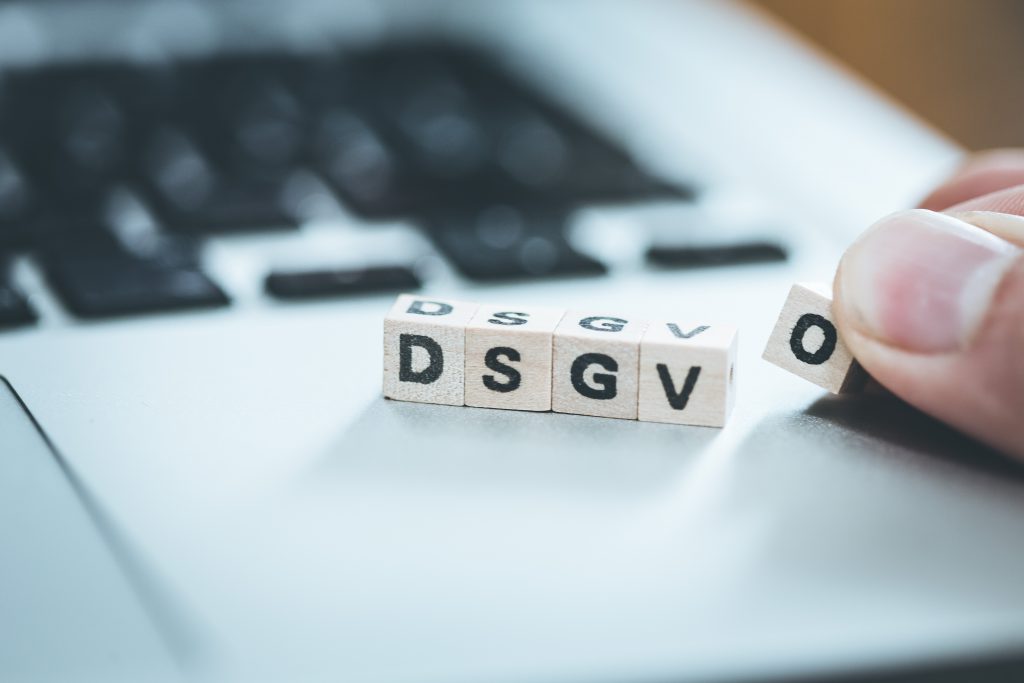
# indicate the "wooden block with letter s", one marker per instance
pixel 596 365
pixel 508 357
pixel 687 373
pixel 806 342
pixel 424 349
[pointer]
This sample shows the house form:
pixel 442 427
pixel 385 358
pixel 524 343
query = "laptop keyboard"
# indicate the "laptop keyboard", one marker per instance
pixel 14 309
pixel 438 136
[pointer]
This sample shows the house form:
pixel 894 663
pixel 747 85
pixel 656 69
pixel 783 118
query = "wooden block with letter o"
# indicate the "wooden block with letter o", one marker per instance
pixel 687 373
pixel 424 350
pixel 508 357
pixel 806 342
pixel 596 365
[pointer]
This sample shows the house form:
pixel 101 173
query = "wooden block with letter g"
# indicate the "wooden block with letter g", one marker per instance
pixel 424 349
pixel 806 342
pixel 508 357
pixel 687 373
pixel 596 365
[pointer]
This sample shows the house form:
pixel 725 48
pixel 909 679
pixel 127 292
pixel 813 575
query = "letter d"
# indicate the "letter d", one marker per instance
pixel 428 374
pixel 422 307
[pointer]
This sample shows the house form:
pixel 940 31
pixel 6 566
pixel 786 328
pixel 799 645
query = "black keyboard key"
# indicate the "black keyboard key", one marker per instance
pixel 438 121
pixel 471 132
pixel 31 214
pixel 69 139
pixel 716 255
pixel 15 310
pixel 540 152
pixel 365 169
pixel 16 203
pixel 190 195
pixel 243 114
pixel 330 283
pixel 530 149
pixel 91 130
pixel 506 243
pixel 420 115
pixel 543 149
pixel 69 134
pixel 267 128
pixel 97 280
pixel 228 206
pixel 320 81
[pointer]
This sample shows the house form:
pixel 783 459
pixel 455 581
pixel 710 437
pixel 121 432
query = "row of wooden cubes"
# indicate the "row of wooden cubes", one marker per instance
pixel 538 358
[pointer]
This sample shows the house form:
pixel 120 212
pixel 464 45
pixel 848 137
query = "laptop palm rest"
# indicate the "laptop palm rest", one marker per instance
pixel 68 607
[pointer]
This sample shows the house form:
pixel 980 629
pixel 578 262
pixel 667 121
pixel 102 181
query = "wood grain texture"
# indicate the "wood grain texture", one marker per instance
pixel 428 329
pixel 687 373
pixel 806 342
pixel 508 356
pixel 596 364
pixel 932 55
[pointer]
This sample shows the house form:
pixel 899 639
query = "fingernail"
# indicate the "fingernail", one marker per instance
pixel 922 280
pixel 1006 225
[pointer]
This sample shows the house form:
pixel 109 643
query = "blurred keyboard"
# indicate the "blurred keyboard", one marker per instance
pixel 439 136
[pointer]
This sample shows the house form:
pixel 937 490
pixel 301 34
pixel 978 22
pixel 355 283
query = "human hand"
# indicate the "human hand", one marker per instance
pixel 932 304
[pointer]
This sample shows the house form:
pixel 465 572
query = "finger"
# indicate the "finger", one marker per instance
pixel 981 174
pixel 1007 226
pixel 998 212
pixel 933 308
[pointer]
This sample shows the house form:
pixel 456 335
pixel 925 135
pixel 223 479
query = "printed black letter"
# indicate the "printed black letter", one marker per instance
pixel 796 339
pixel 678 400
pixel 491 360
pixel 417 307
pixel 426 375
pixel 612 324
pixel 506 318
pixel 607 382
pixel 674 329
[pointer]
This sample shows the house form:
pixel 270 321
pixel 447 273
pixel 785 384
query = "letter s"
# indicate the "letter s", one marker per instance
pixel 509 318
pixel 492 361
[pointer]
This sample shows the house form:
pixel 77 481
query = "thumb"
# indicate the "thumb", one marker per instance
pixel 933 307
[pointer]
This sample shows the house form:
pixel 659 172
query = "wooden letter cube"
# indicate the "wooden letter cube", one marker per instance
pixel 424 349
pixel 596 365
pixel 508 357
pixel 806 342
pixel 687 373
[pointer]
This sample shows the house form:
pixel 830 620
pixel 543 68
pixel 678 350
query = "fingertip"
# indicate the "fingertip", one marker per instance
pixel 981 174
pixel 920 280
pixel 933 308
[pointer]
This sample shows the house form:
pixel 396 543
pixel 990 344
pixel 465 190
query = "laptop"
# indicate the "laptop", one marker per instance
pixel 206 210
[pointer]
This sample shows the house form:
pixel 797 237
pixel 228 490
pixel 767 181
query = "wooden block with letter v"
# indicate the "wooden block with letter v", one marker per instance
pixel 508 357
pixel 424 350
pixel 687 373
pixel 596 365
pixel 806 342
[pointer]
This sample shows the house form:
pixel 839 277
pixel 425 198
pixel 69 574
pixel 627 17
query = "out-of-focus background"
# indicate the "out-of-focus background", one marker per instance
pixel 956 63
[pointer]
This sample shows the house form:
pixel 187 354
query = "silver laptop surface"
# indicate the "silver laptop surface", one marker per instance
pixel 294 525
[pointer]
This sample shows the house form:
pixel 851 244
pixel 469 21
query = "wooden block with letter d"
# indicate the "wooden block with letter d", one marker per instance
pixel 424 349
pixel 508 357
pixel 806 342
pixel 687 373
pixel 596 365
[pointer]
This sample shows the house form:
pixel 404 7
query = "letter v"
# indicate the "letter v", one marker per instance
pixel 678 400
pixel 674 329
